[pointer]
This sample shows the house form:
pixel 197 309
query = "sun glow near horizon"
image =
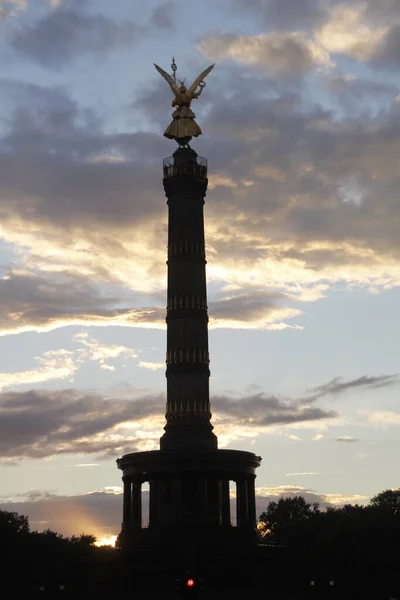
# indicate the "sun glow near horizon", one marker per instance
pixel 106 540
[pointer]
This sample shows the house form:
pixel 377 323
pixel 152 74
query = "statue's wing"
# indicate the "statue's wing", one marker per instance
pixel 168 78
pixel 198 79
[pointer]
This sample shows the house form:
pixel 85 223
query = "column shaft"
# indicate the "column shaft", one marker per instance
pixel 177 499
pixel 226 505
pixel 136 506
pixel 126 518
pixel 251 499
pixel 162 502
pixel 203 499
pixel 241 501
pixel 153 503
pixel 214 500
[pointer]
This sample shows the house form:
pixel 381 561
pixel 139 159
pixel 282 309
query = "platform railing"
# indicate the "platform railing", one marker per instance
pixel 187 169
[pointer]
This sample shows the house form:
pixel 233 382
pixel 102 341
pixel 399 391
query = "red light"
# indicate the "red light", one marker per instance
pixel 190 583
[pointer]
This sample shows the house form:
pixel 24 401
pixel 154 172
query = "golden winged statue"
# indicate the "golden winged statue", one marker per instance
pixel 183 125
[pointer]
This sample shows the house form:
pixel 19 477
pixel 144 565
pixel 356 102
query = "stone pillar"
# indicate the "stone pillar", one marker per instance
pixel 188 373
pixel 136 504
pixel 251 500
pixel 241 501
pixel 126 518
pixel 214 500
pixel 153 503
pixel 226 506
pixel 162 501
pixel 203 493
pixel 177 499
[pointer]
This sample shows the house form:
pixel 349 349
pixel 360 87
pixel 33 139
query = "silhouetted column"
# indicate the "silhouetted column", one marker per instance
pixel 153 503
pixel 162 504
pixel 202 490
pixel 226 506
pixel 241 501
pixel 188 398
pixel 127 504
pixel 136 505
pixel 251 500
pixel 177 499
pixel 214 500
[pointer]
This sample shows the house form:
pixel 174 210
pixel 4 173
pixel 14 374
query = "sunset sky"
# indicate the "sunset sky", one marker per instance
pixel 301 124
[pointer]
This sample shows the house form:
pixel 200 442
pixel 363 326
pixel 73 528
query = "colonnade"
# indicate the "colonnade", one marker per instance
pixel 185 498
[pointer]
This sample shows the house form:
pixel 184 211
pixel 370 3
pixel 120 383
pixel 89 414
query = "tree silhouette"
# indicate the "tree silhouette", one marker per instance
pixel 355 547
pixel 388 500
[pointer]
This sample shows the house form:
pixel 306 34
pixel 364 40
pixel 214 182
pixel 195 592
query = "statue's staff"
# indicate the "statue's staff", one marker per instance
pixel 174 68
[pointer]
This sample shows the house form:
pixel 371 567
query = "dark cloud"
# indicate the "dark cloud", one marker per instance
pixel 31 302
pixel 64 34
pixel 337 386
pixel 383 11
pixel 285 14
pixel 247 307
pixel 67 168
pixel 284 54
pixel 356 95
pixel 262 410
pixel 41 423
pixel 387 51
pixel 164 16
pixel 346 438
pixel 9 7
pixel 302 187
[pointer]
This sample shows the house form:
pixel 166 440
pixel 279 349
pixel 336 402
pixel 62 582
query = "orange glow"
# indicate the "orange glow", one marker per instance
pixel 107 540
pixel 190 583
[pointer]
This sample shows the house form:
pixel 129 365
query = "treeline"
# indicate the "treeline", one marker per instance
pixel 43 564
pixel 349 551
pixel 345 552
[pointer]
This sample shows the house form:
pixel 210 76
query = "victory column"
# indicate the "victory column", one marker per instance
pixel 189 477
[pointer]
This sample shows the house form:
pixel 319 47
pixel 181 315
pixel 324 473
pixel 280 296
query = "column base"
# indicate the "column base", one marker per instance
pixel 188 437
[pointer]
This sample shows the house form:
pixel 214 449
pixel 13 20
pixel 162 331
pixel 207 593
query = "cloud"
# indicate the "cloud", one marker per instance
pixel 337 386
pixel 366 31
pixel 285 14
pixel 348 30
pixel 152 366
pixel 10 8
pixel 383 418
pixel 63 34
pixel 261 410
pixel 386 54
pixel 164 16
pixel 103 353
pixel 300 474
pixel 36 303
pixel 308 181
pixel 40 423
pixel 32 302
pixel 356 95
pixel 271 494
pixel 280 53
pixel 258 309
pixel 54 364
pixel 99 512
pixel 346 438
